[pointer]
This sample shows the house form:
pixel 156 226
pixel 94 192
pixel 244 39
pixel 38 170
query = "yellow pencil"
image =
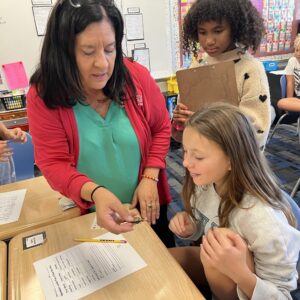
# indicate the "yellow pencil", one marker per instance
pixel 100 241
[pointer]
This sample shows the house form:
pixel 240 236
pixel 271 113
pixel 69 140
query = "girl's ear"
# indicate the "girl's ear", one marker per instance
pixel 229 165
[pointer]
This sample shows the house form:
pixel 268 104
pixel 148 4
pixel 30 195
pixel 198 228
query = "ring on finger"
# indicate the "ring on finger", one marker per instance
pixel 149 205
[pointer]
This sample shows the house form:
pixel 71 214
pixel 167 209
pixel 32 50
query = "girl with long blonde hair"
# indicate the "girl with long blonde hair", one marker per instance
pixel 250 246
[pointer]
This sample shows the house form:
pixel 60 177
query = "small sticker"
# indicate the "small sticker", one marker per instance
pixel 34 240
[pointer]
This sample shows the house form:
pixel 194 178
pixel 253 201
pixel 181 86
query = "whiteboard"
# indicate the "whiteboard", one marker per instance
pixel 20 42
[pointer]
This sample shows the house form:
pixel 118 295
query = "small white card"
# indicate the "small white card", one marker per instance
pixel 34 240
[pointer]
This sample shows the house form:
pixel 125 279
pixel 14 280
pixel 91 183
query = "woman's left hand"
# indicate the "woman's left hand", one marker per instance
pixel 146 194
pixel 225 251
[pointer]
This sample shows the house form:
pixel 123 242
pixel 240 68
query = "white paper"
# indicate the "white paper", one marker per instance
pixel 124 46
pixel 66 203
pixel 134 27
pixel 41 15
pixel 85 268
pixel 278 72
pixel 95 224
pixel 142 56
pixel 10 206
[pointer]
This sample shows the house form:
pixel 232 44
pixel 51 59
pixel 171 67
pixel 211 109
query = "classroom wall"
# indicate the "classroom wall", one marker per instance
pixel 20 42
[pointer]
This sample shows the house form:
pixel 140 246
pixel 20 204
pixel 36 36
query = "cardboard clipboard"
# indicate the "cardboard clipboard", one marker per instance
pixel 206 84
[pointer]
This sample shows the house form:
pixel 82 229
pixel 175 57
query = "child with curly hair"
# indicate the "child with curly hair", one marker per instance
pixel 250 246
pixel 226 29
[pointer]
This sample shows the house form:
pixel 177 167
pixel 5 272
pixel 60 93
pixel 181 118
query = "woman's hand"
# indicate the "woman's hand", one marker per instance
pixel 146 194
pixel 225 251
pixel 5 151
pixel 111 213
pixel 182 225
pixel 16 134
pixel 181 113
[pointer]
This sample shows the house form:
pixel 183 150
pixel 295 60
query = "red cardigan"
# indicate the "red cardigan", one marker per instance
pixel 56 142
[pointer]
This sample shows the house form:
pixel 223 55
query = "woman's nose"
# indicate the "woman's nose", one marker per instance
pixel 101 61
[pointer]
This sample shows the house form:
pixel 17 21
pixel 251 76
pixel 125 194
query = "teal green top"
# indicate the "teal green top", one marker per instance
pixel 109 151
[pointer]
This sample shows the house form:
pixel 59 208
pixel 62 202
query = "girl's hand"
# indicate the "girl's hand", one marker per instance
pixel 181 114
pixel 16 134
pixel 146 194
pixel 225 251
pixel 5 151
pixel 182 225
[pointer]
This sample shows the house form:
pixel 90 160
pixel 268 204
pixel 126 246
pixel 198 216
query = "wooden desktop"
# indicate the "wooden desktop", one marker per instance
pixel 40 207
pixel 162 278
pixel 3 269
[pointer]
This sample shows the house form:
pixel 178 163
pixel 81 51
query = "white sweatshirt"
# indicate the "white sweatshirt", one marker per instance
pixel 274 243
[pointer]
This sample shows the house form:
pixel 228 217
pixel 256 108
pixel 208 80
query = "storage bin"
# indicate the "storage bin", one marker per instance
pixel 12 102
pixel 270 65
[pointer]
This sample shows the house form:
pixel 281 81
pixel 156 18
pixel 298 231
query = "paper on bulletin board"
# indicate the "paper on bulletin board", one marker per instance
pixel 15 75
pixel 207 84
pixel 134 27
pixel 41 15
pixel 142 56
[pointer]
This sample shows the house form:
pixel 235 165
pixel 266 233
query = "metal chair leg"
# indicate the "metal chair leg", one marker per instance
pixel 298 128
pixel 295 189
pixel 276 126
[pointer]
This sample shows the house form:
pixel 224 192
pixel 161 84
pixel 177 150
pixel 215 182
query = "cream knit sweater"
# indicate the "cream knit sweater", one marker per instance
pixel 253 89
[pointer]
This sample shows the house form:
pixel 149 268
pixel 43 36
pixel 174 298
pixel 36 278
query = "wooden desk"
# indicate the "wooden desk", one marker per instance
pixel 3 269
pixel 161 279
pixel 40 207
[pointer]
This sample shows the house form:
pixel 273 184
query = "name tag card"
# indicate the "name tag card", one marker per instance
pixel 34 240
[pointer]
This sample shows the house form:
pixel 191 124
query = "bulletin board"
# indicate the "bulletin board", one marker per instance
pixel 20 41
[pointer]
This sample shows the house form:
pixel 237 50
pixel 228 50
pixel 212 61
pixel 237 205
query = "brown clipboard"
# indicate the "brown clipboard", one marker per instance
pixel 206 84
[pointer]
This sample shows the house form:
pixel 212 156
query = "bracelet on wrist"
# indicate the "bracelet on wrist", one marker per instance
pixel 150 177
pixel 95 189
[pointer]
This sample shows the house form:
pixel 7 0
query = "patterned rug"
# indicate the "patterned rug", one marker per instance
pixel 283 155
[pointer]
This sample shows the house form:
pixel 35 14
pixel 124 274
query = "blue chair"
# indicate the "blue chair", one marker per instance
pixel 23 159
pixel 283 83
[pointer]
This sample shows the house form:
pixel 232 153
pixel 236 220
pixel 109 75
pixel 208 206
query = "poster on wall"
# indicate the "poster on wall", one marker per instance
pixel 278 17
pixel 41 2
pixel 134 27
pixel 142 56
pixel 40 16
